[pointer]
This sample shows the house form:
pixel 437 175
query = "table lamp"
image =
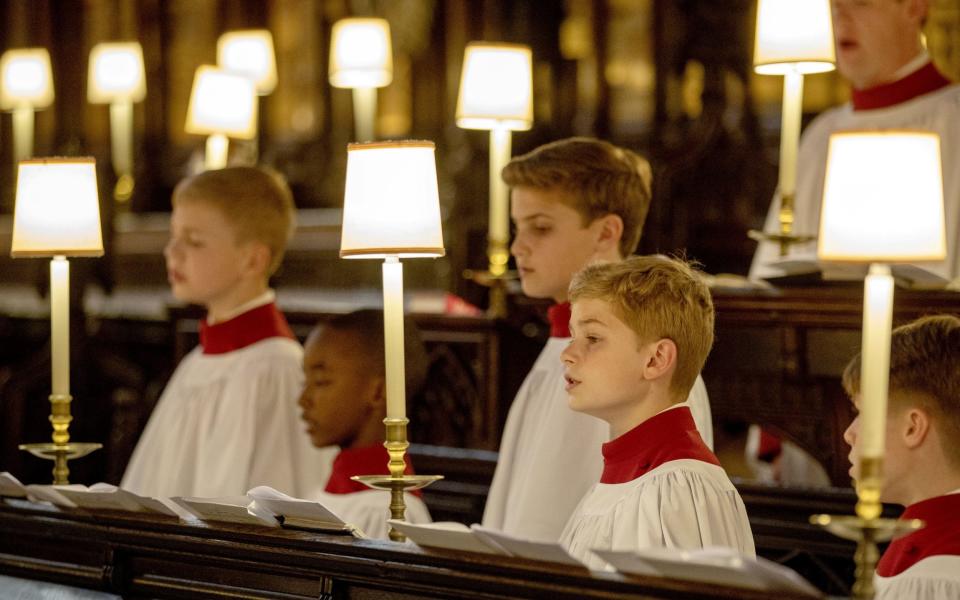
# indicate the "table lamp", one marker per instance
pixel 496 93
pixel 222 105
pixel 26 85
pixel 361 58
pixel 391 210
pixel 57 214
pixel 882 204
pixel 793 39
pixel 249 52
pixel 116 77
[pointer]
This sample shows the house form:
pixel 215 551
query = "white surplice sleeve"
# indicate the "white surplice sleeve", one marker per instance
pixel 683 504
pixel 933 578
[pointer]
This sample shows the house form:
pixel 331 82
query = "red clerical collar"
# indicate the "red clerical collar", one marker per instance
pixel 940 537
pixel 670 435
pixel 244 330
pixel 559 315
pixel 924 80
pixel 371 460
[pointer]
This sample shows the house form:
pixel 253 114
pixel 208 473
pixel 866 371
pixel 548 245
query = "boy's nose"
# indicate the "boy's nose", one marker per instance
pixel 516 247
pixel 567 355
pixel 850 433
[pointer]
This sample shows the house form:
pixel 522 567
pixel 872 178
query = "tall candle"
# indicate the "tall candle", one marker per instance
pixel 121 137
pixel 499 217
pixel 217 148
pixel 365 113
pixel 22 133
pixel 790 132
pixel 393 338
pixel 60 324
pixel 875 359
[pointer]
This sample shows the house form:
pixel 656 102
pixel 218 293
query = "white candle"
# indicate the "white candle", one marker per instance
pixel 22 133
pixel 790 131
pixel 499 225
pixel 60 324
pixel 121 137
pixel 365 113
pixel 875 359
pixel 393 338
pixel 217 148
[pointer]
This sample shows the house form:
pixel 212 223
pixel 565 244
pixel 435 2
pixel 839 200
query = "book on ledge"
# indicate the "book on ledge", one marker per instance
pixel 10 486
pixel 717 565
pixel 806 271
pixel 295 513
pixel 99 496
pixel 476 538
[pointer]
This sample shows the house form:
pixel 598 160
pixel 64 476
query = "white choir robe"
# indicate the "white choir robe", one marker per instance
pixel 924 565
pixel 937 111
pixel 369 510
pixel 227 423
pixel 550 454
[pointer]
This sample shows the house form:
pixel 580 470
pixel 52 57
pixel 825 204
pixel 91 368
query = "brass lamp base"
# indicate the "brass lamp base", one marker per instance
pixel 397 486
pixel 60 454
pixel 123 190
pixel 785 240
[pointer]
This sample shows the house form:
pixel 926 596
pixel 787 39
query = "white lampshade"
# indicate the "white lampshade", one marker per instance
pixel 391 206
pixel 116 73
pixel 883 198
pixel 222 102
pixel 794 36
pixel 361 54
pixel 249 52
pixel 57 211
pixel 26 79
pixel 496 87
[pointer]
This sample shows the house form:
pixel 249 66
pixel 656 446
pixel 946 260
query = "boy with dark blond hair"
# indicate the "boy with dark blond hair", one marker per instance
pixel 573 202
pixel 642 329
pixel 228 420
pixel 921 463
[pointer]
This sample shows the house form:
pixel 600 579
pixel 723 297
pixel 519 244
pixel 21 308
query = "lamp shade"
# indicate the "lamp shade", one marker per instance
pixel 222 102
pixel 361 54
pixel 793 36
pixel 57 211
pixel 249 52
pixel 496 87
pixel 391 206
pixel 883 198
pixel 116 73
pixel 26 79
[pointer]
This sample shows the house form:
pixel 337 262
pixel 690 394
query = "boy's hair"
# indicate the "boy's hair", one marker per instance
pixel 256 201
pixel 657 297
pixel 600 179
pixel 368 325
pixel 924 366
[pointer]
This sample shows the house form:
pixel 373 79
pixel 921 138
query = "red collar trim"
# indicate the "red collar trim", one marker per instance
pixel 371 460
pixel 924 80
pixel 559 315
pixel 940 537
pixel 244 330
pixel 670 435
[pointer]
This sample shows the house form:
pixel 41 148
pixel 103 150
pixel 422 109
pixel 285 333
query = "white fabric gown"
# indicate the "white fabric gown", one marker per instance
pixel 550 454
pixel 933 578
pixel 227 423
pixel 685 504
pixel 937 111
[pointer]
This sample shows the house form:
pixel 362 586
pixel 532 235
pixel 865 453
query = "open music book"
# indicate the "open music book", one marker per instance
pixel 803 271
pixel 11 487
pixel 723 566
pixel 476 538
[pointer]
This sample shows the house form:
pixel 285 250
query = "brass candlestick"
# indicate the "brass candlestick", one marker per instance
pixel 61 450
pixel 397 483
pixel 785 237
pixel 867 528
pixel 495 277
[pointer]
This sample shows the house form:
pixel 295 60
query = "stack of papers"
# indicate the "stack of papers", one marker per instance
pixel 11 487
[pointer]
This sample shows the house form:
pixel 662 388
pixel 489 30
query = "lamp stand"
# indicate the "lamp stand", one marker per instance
pixel 790 117
pixel 121 149
pixel 396 421
pixel 215 157
pixel 61 450
pixel 22 133
pixel 365 113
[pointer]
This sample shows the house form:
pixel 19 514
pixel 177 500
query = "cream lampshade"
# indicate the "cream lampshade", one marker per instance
pixel 57 211
pixel 27 79
pixel 116 73
pixel 222 105
pixel 391 210
pixel 496 87
pixel 360 53
pixel 249 52
pixel 57 214
pixel 793 36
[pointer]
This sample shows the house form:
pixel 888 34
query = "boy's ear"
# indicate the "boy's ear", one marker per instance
pixel 914 427
pixel 662 359
pixel 377 397
pixel 258 258
pixel 609 232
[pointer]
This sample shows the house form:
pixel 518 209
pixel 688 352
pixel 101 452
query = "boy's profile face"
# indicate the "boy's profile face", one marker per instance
pixel 339 390
pixel 874 38
pixel 205 263
pixel 551 243
pixel 603 364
